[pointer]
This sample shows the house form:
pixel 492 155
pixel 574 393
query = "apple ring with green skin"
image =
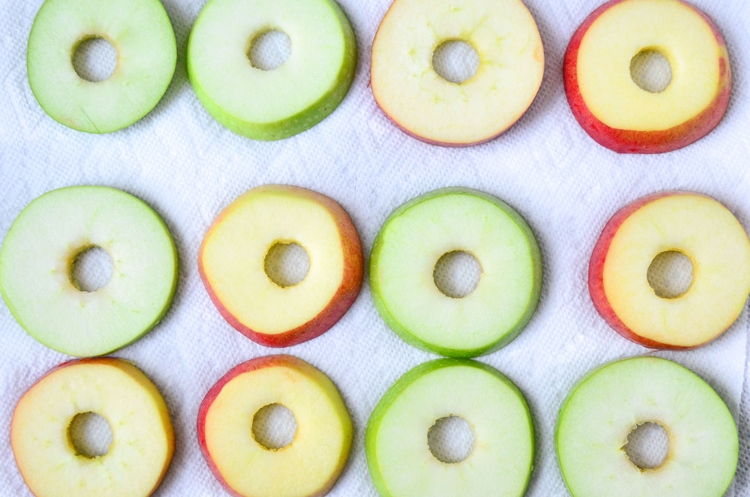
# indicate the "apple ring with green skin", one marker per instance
pixel 142 436
pixel 141 33
pixel 695 225
pixel 608 403
pixel 398 455
pixel 413 239
pixel 232 264
pixel 613 109
pixel 42 245
pixel 310 465
pixel 275 104
pixel 432 109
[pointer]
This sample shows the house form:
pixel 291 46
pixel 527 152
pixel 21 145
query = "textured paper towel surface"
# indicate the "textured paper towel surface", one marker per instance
pixel 188 167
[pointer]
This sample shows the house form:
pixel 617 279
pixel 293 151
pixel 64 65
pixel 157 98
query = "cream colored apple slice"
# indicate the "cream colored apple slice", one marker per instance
pixel 142 436
pixel 433 109
pixel 307 467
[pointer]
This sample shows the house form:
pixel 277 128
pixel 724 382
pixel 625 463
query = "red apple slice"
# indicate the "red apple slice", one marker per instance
pixel 613 109
pixel 143 440
pixel 231 264
pixel 310 465
pixel 698 227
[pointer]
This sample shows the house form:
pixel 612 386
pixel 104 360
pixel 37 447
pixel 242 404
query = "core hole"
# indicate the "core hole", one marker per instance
pixel 670 274
pixel 450 439
pixel 647 445
pixel 95 59
pixel 91 269
pixel 287 264
pixel 455 61
pixel 90 435
pixel 651 71
pixel 274 427
pixel 457 274
pixel 269 50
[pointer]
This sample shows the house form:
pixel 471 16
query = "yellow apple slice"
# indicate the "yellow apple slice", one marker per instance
pixel 232 257
pixel 143 440
pixel 310 465
pixel 435 110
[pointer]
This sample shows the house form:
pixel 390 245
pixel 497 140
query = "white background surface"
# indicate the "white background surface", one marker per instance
pixel 188 167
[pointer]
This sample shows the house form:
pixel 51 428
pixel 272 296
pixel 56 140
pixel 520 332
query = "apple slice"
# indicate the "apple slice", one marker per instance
pixel 141 33
pixel 414 238
pixel 613 109
pixel 143 440
pixel 435 110
pixel 698 227
pixel 307 467
pixel 232 256
pixel 608 403
pixel 276 104
pixel 399 458
pixel 44 242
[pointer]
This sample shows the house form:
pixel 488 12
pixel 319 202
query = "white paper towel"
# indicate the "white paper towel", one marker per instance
pixel 188 167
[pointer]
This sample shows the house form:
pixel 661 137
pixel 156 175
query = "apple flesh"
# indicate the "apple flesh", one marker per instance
pixel 414 238
pixel 399 458
pixel 310 465
pixel 698 227
pixel 600 412
pixel 143 439
pixel 276 104
pixel 41 247
pixel 141 33
pixel 430 108
pixel 617 113
pixel 231 264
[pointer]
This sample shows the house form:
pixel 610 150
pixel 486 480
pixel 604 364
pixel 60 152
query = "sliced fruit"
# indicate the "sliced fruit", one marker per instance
pixel 697 226
pixel 398 455
pixel 276 104
pixel 427 106
pixel 41 247
pixel 141 33
pixel 613 109
pixel 310 465
pixel 233 253
pixel 600 412
pixel 143 440
pixel 415 237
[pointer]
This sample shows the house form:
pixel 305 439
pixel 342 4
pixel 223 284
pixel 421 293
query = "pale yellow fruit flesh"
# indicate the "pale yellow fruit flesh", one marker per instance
pixel 142 436
pixel 716 244
pixel 303 468
pixel 234 255
pixel 668 27
pixel 406 86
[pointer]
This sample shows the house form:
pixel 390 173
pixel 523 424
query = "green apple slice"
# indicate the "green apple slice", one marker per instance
pixel 141 33
pixel 610 402
pixel 43 243
pixel 276 104
pixel 143 438
pixel 398 455
pixel 409 245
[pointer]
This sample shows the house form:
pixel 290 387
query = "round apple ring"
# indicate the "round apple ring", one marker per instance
pixel 433 109
pixel 695 225
pixel 275 104
pixel 310 464
pixel 232 264
pixel 613 109
pixel 608 403
pixel 415 237
pixel 42 245
pixel 141 33
pixel 143 439
pixel 401 464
